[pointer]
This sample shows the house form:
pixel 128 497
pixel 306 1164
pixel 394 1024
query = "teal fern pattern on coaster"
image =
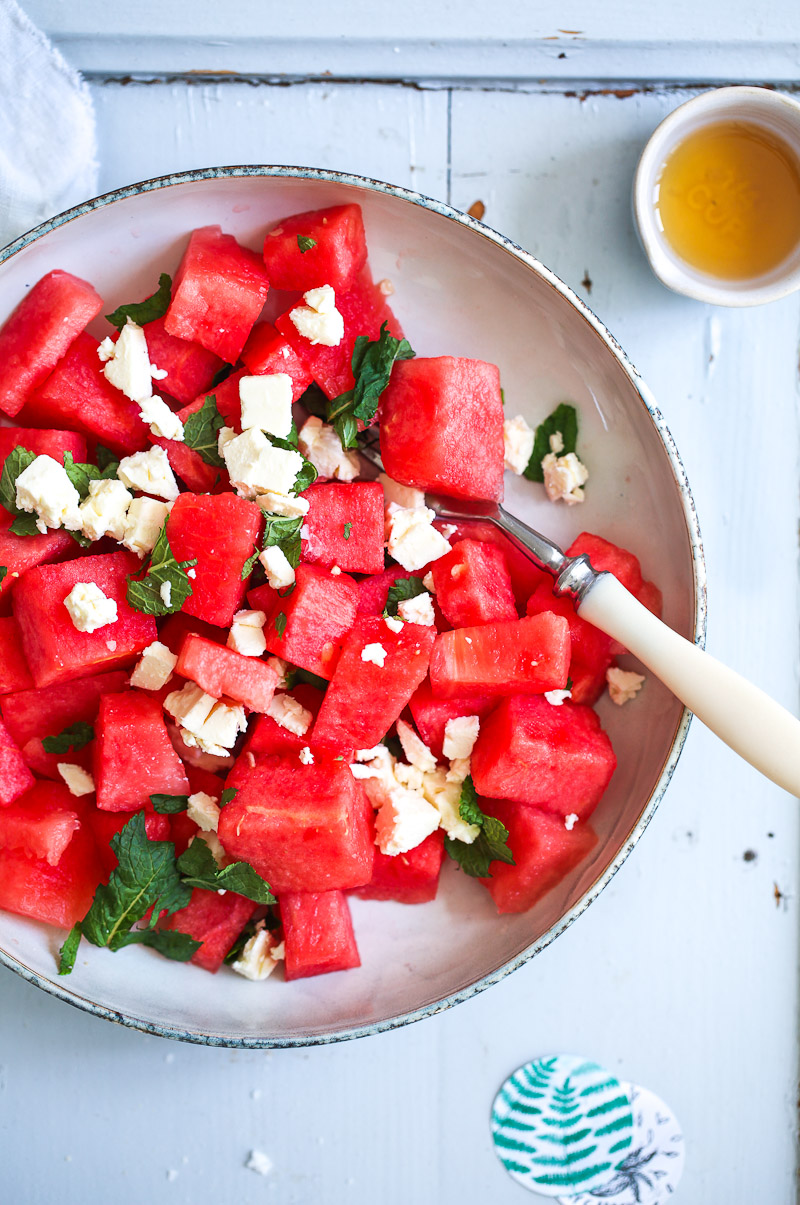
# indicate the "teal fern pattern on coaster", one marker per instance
pixel 561 1125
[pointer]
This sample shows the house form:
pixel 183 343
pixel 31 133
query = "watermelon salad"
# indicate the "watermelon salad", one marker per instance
pixel 242 680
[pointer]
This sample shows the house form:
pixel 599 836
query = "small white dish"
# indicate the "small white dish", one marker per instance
pixel 774 112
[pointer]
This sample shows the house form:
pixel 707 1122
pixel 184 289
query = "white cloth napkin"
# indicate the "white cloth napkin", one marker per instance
pixel 47 128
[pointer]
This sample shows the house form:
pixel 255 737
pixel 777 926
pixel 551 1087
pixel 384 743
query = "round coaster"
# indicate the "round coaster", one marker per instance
pixel 561 1124
pixel 650 1171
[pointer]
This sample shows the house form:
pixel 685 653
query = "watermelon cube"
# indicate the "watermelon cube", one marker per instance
pixel 222 672
pixel 318 933
pixel 525 576
pixel 215 920
pixel 265 736
pixel 556 758
pixel 218 293
pixel 610 558
pixel 177 627
pixel 266 352
pixel 42 443
pixel 318 613
pixel 373 591
pixel 105 825
pixel 521 656
pixel 190 368
pixel 334 252
pixel 77 395
pixel 41 823
pixel 133 756
pixel 47 711
pixel 473 585
pixel 38 332
pixel 591 651
pixel 15 777
pixel 221 531
pixel 14 673
pixel 442 427
pixel 59 895
pixel 55 650
pixel 544 854
pixel 45 765
pixel 364 310
pixel 303 828
pixel 18 553
pixel 368 693
pixel 344 526
pixel 410 878
pixel 431 715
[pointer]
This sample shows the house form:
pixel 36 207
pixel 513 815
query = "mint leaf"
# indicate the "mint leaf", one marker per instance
pixel 198 868
pixel 491 844
pixel 69 951
pixel 154 306
pixel 16 462
pixel 348 527
pixel 564 419
pixel 371 363
pixel 170 942
pixel 169 805
pixel 249 565
pixel 144 594
pixel 105 456
pixel 296 674
pixel 227 795
pixel 306 477
pixel 76 736
pixel 400 591
pixel 3 572
pixel 81 474
pixel 200 431
pixel 284 533
pixel 24 525
pixel 305 243
pixel 280 624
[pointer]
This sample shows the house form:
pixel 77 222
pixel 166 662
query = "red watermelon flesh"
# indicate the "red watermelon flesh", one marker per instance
pixel 410 878
pixel 344 526
pixel 105 825
pixel 190 368
pixel 59 895
pixel 39 331
pixel 591 650
pixel 133 755
pixel 177 627
pixel 611 558
pixel 218 293
pixel 55 650
pixel 373 591
pixel 15 777
pixel 41 823
pixel 42 443
pixel 196 473
pixel 525 576
pixel 431 715
pixel 18 553
pixel 45 764
pixel 319 611
pixel 336 254
pixel 266 352
pixel 364 699
pixel 14 673
pixel 556 758
pixel 78 396
pixel 523 656
pixel 544 854
pixel 222 672
pixel 442 427
pixel 50 709
pixel 473 585
pixel 265 736
pixel 318 933
pixel 220 530
pixel 215 920
pixel 364 311
pixel 303 828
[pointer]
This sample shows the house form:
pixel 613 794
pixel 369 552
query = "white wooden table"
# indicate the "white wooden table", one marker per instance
pixel 683 975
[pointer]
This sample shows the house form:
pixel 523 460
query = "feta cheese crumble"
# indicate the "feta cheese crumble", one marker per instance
pixel 165 591
pixel 375 653
pixel 277 504
pixel 277 568
pixel 203 809
pixel 429 583
pixel 556 442
pixel 205 722
pixel 518 441
pixel 104 511
pixel 306 756
pixel 163 423
pixel 45 489
pixel 127 363
pixel 256 466
pixel 413 542
pixel 79 781
pixel 394 625
pixel 415 749
pixel 417 610
pixel 246 635
pixel 89 608
pixel 570 821
pixel 564 477
pixel 149 472
pixel 404 496
pixel 261 954
pixel 143 523
pixel 446 798
pixel 318 320
pixel 289 714
pixel 460 735
pixel 403 821
pixel 320 444
pixel 266 403
pixel 154 668
pixel 623 685
pixel 557 697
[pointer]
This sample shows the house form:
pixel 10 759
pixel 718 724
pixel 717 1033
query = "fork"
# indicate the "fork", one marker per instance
pixel 751 723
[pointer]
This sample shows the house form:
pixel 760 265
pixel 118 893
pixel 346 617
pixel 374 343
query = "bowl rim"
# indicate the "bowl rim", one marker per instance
pixel 443 209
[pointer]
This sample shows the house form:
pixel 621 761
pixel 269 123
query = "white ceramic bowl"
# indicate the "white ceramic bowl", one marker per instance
pixel 460 289
pixel 773 112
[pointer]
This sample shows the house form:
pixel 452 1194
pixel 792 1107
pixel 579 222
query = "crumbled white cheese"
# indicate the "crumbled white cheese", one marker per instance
pixel 413 542
pixel 277 568
pixel 89 608
pixel 404 496
pixel 266 403
pixel 394 625
pixel 149 472
pixel 429 583
pixel 127 363
pixel 158 374
pixel 306 756
pixel 277 504
pixel 447 801
pixel 386 287
pixel 623 685
pixel 403 821
pixel 257 961
pixel 192 573
pixel 518 440
pixel 458 770
pixel 320 444
pixel 564 477
pixel 460 735
pixel 556 442
pixel 375 653
pixel 45 489
pixel 143 523
pixel 289 714
pixel 163 423
pixel 417 610
pixel 165 590
pixel 275 663
pixel 570 821
pixel 104 511
pixel 155 667
pixel 79 781
pixel 557 697
pixel 203 809
pixel 415 749
pixel 318 320
pixel 256 466
pixel 224 437
pixel 335 571
pixel 246 635
pixel 205 722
